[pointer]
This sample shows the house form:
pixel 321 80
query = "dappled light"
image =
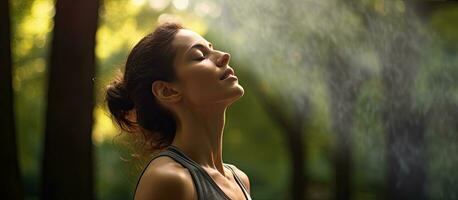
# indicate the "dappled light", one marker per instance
pixel 344 99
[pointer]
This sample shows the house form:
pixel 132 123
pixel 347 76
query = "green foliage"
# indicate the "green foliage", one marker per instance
pixel 252 140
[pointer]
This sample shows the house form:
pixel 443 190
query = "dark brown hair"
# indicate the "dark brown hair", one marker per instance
pixel 130 93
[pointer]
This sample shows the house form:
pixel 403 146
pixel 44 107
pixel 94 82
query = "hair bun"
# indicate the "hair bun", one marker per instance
pixel 118 99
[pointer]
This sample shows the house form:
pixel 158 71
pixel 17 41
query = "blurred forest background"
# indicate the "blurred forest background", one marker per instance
pixel 344 99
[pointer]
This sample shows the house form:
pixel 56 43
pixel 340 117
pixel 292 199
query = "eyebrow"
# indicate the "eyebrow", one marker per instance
pixel 199 46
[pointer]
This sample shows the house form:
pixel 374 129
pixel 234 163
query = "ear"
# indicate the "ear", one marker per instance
pixel 165 92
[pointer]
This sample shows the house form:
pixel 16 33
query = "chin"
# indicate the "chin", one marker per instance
pixel 241 91
pixel 230 96
pixel 238 93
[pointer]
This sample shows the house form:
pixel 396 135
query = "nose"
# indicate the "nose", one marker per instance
pixel 223 60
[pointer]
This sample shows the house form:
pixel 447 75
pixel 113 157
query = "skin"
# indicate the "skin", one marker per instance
pixel 199 100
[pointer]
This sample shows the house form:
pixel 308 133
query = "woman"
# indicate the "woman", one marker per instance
pixel 175 90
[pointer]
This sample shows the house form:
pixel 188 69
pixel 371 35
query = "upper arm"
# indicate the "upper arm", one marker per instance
pixel 244 177
pixel 158 184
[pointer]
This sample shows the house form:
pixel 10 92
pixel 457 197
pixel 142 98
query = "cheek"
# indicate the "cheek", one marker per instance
pixel 200 83
pixel 198 76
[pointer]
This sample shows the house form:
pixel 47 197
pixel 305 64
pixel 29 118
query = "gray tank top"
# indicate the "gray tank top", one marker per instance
pixel 206 187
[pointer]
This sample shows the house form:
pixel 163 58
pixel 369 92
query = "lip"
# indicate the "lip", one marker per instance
pixel 229 72
pixel 231 77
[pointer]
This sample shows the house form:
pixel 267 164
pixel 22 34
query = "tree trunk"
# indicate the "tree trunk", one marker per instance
pixel 293 134
pixel 296 146
pixel 67 171
pixel 404 125
pixel 405 129
pixel 293 125
pixel 405 178
pixel 343 89
pixel 405 157
pixel 11 175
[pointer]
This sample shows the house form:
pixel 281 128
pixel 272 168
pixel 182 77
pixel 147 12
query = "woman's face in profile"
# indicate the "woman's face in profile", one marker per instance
pixel 202 71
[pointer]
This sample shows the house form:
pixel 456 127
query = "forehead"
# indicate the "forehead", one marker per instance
pixel 185 38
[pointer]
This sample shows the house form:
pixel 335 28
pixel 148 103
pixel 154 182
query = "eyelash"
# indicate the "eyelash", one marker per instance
pixel 200 58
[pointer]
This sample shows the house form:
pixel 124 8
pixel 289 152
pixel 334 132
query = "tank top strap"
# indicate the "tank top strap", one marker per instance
pixel 183 162
pixel 205 187
pixel 209 189
pixel 238 180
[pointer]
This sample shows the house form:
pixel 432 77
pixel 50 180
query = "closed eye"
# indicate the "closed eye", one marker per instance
pixel 202 51
pixel 199 58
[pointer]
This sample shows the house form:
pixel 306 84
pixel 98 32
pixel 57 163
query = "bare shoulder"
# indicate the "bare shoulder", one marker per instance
pixel 242 176
pixel 165 179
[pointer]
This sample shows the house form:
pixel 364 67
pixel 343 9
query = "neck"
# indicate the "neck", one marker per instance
pixel 199 135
